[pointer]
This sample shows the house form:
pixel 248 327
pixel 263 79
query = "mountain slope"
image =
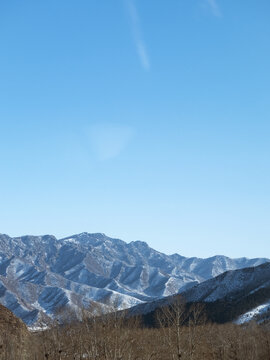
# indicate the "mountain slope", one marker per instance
pixel 40 274
pixel 14 336
pixel 238 295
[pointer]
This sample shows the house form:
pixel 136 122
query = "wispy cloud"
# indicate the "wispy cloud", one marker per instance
pixel 214 7
pixel 109 140
pixel 137 34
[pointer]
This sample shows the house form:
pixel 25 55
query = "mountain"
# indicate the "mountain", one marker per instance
pixel 10 324
pixel 39 275
pixel 238 295
pixel 14 335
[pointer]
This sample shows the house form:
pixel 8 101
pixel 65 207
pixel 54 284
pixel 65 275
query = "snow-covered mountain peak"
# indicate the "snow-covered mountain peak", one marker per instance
pixel 139 243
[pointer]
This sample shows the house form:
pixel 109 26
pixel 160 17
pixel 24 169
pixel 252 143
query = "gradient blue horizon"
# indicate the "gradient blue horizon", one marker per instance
pixel 139 119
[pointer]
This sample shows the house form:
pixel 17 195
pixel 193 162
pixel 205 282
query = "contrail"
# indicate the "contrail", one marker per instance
pixel 214 7
pixel 137 34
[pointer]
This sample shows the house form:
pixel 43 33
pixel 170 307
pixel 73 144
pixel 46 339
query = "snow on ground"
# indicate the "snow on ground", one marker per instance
pixel 37 328
pixel 71 240
pixel 251 315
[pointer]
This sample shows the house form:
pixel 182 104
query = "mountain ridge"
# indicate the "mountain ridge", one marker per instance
pixel 235 295
pixel 40 274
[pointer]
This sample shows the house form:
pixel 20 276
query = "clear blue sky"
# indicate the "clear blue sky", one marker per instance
pixel 141 119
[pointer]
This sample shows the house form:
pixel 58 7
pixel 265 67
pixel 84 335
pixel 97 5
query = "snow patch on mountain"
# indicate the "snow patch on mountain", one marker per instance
pixel 254 314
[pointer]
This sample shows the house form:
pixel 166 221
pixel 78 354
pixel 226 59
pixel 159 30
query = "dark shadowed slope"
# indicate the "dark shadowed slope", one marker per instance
pixel 238 295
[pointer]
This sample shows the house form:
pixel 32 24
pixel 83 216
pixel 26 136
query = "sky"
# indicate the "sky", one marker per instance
pixel 144 120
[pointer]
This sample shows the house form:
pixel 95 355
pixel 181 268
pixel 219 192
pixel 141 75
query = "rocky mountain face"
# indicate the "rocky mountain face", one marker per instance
pixel 40 275
pixel 239 295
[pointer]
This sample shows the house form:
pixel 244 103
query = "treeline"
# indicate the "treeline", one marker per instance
pixel 180 333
